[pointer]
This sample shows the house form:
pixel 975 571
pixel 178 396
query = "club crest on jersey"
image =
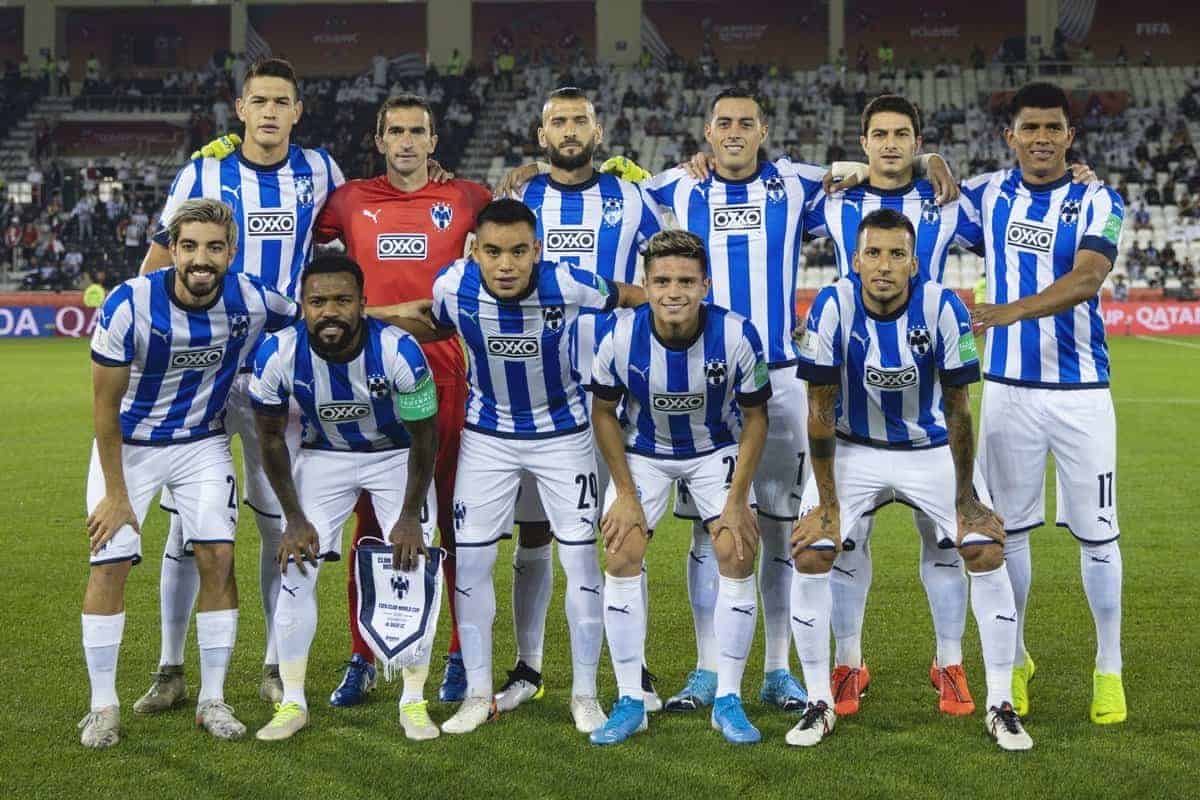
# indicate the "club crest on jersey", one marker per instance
pixel 400 586
pixel 304 191
pixel 553 317
pixel 919 340
pixel 714 371
pixel 441 214
pixel 930 213
pixel 239 326
pixel 1070 212
pixel 612 211
pixel 377 385
pixel 460 514
pixel 776 191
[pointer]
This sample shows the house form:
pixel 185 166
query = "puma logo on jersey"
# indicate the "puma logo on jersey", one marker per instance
pixel 645 373
pixel 855 336
pixel 372 215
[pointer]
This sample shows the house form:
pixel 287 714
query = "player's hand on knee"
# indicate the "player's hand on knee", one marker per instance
pixel 823 522
pixel 438 173
pixel 110 515
pixel 300 542
pixel 623 519
pixel 975 517
pixel 741 523
pixel 700 166
pixel 408 543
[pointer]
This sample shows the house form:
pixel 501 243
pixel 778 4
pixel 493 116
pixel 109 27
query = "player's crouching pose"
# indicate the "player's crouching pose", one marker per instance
pixel 888 361
pixel 369 404
pixel 525 414
pixel 680 364
pixel 166 351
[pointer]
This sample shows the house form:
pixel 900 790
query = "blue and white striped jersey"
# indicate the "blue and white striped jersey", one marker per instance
pixel 275 208
pixel 182 361
pixel 520 380
pixel 1031 236
pixel 838 217
pixel 752 230
pixel 347 405
pixel 891 371
pixel 680 401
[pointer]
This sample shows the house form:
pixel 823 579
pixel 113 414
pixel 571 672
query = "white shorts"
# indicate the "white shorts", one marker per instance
pixel 328 483
pixel 705 477
pixel 1019 425
pixel 529 502
pixel 490 469
pixel 783 469
pixel 201 478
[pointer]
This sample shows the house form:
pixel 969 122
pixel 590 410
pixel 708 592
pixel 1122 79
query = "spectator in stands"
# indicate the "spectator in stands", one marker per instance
pixel 379 69
pixel 63 70
pixel 82 214
pixel 1153 197
pixel 887 58
pixel 91 75
pixel 1141 218
pixel 220 113
pixel 1122 57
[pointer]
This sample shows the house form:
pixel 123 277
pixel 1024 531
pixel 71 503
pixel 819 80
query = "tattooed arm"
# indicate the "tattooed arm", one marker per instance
pixel 973 516
pixel 823 522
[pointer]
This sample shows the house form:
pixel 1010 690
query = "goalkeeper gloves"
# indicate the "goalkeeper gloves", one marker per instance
pixel 219 147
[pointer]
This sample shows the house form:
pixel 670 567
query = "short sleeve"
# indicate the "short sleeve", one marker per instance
pixel 1104 217
pixel 968 230
pixel 412 380
pixel 661 188
pixel 751 374
pixel 330 225
pixel 441 310
pixel 336 177
pixel 591 291
pixel 479 195
pixel 281 311
pixel 604 382
pixel 814 217
pixel 113 343
pixel 820 360
pixel 268 388
pixel 188 183
pixel 651 221
pixel 957 356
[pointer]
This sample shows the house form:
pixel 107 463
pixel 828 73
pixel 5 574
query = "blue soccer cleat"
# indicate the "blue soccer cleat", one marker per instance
pixel 454 681
pixel 781 689
pixel 627 718
pixel 700 690
pixel 729 718
pixel 358 681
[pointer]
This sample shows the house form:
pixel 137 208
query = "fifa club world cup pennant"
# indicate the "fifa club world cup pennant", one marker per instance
pixel 397 611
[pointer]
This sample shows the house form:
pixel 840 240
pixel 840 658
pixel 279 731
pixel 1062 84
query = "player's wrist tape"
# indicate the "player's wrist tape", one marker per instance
pixel 420 403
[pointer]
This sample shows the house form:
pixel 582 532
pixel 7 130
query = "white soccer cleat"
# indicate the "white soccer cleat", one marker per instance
pixel 271 688
pixel 414 718
pixel 101 728
pixel 587 713
pixel 1005 727
pixel 524 683
pixel 816 723
pixel 168 690
pixel 650 699
pixel 473 712
pixel 217 718
pixel 288 720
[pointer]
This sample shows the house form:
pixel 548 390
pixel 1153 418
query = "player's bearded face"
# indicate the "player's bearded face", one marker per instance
pixel 201 257
pixel 676 286
pixel 890 143
pixel 735 132
pixel 270 109
pixel 885 263
pixel 506 255
pixel 1040 138
pixel 569 133
pixel 333 310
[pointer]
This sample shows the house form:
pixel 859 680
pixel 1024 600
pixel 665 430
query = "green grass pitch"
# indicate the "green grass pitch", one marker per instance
pixel 899 746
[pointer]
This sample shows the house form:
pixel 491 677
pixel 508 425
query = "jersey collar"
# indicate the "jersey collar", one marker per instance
pixel 740 181
pixel 895 315
pixel 264 167
pixel 1047 187
pixel 574 187
pixel 533 283
pixel 897 192
pixel 687 346
pixel 170 278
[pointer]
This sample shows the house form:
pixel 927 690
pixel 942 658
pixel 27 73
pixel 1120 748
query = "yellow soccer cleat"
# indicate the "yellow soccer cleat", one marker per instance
pixel 288 720
pixel 1022 675
pixel 1108 699
pixel 625 169
pixel 219 147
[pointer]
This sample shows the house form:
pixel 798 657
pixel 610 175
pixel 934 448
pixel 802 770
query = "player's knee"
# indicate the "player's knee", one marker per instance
pixel 109 576
pixel 626 561
pixel 727 556
pixel 815 562
pixel 982 557
pixel 534 534
pixel 214 561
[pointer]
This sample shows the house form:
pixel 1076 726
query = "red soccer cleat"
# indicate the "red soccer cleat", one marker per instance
pixel 951 684
pixel 849 685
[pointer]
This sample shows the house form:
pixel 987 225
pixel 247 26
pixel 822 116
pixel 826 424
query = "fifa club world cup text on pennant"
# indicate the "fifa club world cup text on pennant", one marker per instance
pixel 397 611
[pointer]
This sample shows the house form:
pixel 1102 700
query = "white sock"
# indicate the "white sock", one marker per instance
pixel 849 582
pixel 734 622
pixel 215 635
pixel 945 583
pixel 532 588
pixel 414 682
pixel 625 627
pixel 1101 567
pixel 585 614
pixel 295 624
pixel 774 585
pixel 475 596
pixel 702 593
pixel 996 618
pixel 178 585
pixel 270 531
pixel 1018 562
pixel 812 602
pixel 101 644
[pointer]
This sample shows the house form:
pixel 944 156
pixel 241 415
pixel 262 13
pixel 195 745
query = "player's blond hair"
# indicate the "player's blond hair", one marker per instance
pixel 202 209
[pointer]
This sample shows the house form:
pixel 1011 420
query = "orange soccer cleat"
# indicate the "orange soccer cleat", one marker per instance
pixel 951 684
pixel 849 685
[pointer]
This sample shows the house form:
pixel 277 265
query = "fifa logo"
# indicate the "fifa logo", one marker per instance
pixel 552 318
pixel 442 215
pixel 399 586
pixel 714 372
pixel 460 514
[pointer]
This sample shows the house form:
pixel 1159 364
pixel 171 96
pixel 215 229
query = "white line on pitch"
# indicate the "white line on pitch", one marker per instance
pixel 1161 340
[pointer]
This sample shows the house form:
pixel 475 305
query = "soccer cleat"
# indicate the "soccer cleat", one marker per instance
pixel 849 685
pixel 1004 725
pixel 217 718
pixel 473 712
pixel 356 683
pixel 729 718
pixel 628 717
pixel 414 718
pixel 650 698
pixel 289 718
pixel 168 690
pixel 454 681
pixel 951 684
pixel 524 683
pixel 781 689
pixel 1022 675
pixel 1108 699
pixel 816 723
pixel 101 728
pixel 271 688
pixel 700 690
pixel 587 713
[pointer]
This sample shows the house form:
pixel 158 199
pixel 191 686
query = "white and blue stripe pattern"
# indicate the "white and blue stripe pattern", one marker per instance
pixel 681 401
pixel 275 208
pixel 752 230
pixel 346 406
pixel 182 361
pixel 521 383
pixel 1032 236
pixel 891 371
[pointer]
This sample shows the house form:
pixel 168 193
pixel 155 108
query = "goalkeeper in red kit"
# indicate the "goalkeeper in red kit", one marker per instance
pixel 402 229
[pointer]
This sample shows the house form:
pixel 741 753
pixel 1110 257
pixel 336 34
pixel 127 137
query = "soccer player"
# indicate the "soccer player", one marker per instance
pixel 888 362
pixel 370 407
pixel 595 222
pixel 525 414
pixel 695 382
pixel 402 228
pixel 165 352
pixel 276 190
pixel 1049 244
